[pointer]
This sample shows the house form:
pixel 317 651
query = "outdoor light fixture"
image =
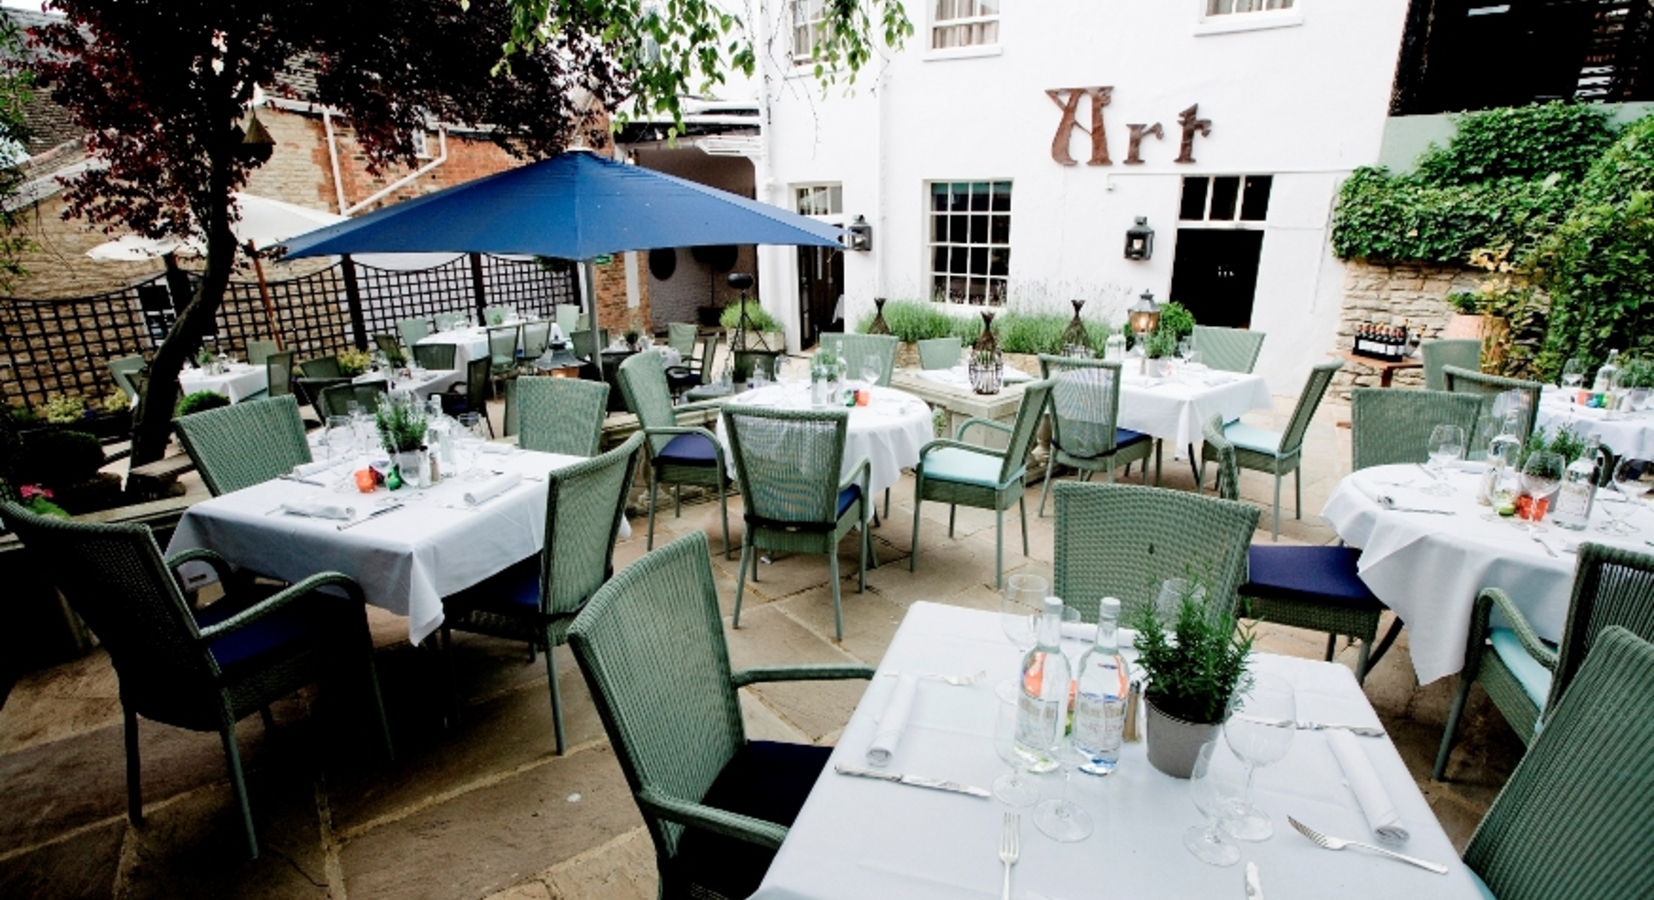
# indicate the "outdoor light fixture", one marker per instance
pixel 1144 314
pixel 558 362
pixel 1140 240
pixel 861 235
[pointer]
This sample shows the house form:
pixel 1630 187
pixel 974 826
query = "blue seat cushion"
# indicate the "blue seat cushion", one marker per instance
pixel 514 589
pixel 1534 678
pixel 248 647
pixel 1125 437
pixel 963 466
pixel 847 498
pixel 1323 574
pixel 688 450
pixel 766 780
pixel 1248 437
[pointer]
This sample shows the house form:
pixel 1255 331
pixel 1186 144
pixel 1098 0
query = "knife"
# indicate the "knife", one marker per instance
pixel 1254 890
pixel 1306 725
pixel 935 784
pixel 372 515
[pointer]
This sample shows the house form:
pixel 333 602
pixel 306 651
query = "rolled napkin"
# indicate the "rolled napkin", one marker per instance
pixel 497 449
pixel 1080 631
pixel 492 488
pixel 1369 791
pixel 894 721
pixel 318 509
pixel 305 470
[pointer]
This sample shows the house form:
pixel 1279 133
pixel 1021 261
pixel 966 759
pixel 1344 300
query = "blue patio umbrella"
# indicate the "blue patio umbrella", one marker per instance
pixel 574 206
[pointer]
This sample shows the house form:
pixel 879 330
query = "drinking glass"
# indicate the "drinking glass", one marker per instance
pixel 1615 499
pixel 1573 374
pixel 1170 599
pixel 1019 615
pixel 1014 788
pixel 1184 348
pixel 1206 841
pixel 870 372
pixel 1540 478
pixel 1447 443
pixel 1258 726
pixel 340 437
pixel 468 445
pixel 1060 818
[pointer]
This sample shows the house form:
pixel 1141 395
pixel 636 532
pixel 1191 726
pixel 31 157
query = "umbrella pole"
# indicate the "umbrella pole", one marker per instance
pixel 264 294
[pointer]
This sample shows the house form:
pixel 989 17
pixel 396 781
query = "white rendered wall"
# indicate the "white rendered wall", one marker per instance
pixel 1306 103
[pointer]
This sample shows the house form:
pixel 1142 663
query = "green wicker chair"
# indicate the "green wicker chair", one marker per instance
pixel 1124 540
pixel 122 368
pixel 1279 452
pixel 1390 426
pixel 696 381
pixel 246 444
pixel 1316 588
pixel 651 647
pixel 536 338
pixel 1228 349
pixel 1085 417
pixel 502 353
pixel 258 352
pixel 568 318
pixel 472 395
pixel 857 349
pixel 678 455
pixel 206 669
pixel 278 368
pixel 1488 388
pixel 497 313
pixel 940 353
pixel 413 331
pixel 961 474
pixel 559 415
pixel 509 427
pixel 681 336
pixel 1524 675
pixel 321 367
pixel 537 599
pixel 336 400
pixel 1572 820
pixel 1462 353
pixel 387 344
pixel 434 356
pixel 788 464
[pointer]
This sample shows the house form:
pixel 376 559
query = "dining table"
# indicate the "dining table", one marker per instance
pixel 1627 433
pixel 422 383
pixel 1174 408
pixel 471 341
pixel 237 382
pixel 1427 557
pixel 407 548
pixel 888 432
pixel 858 837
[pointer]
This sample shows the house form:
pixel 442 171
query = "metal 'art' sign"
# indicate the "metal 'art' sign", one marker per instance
pixel 1069 99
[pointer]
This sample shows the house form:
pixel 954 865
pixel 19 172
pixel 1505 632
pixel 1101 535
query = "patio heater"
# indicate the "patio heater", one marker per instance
pixel 558 362
pixel 1144 316
pixel 748 345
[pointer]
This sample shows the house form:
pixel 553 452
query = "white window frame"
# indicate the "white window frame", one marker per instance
pixel 1206 220
pixel 831 216
pixel 931 244
pixel 799 58
pixel 1246 20
pixel 967 51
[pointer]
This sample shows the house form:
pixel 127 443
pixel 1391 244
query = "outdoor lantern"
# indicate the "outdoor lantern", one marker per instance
pixel 861 235
pixel 1144 314
pixel 558 362
pixel 1140 240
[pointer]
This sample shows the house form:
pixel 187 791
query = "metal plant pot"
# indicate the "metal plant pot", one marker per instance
pixel 1174 743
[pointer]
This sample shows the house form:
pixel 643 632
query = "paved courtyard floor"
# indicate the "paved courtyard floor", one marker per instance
pixel 483 808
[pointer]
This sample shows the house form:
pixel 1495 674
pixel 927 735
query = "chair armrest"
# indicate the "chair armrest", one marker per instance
pixel 1480 626
pixel 698 406
pixel 959 435
pixel 859 476
pixel 710 818
pixel 758 674
pixel 220 565
pixel 284 598
pixel 942 443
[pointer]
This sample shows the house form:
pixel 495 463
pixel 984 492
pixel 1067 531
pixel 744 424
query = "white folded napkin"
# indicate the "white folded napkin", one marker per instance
pixel 1369 791
pixel 492 488
pixel 1080 631
pixel 1387 498
pixel 497 449
pixel 1217 378
pixel 894 720
pixel 318 509
pixel 305 470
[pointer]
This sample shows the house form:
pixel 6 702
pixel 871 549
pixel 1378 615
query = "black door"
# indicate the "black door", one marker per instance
pixel 1215 273
pixel 820 285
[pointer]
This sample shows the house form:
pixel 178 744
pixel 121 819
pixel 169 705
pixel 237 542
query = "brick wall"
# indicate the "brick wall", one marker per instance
pixel 612 311
pixel 1391 295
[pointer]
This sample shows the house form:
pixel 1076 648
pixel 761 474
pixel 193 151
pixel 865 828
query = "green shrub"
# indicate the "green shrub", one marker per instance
pixel 57 458
pixel 1524 142
pixel 200 401
pixel 757 318
pixel 912 320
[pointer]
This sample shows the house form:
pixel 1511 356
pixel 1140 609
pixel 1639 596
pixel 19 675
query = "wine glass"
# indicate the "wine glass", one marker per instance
pixel 1258 726
pixel 1019 615
pixel 1573 374
pixel 1447 443
pixel 1540 477
pixel 1615 500
pixel 1060 818
pixel 870 372
pixel 1014 788
pixel 340 436
pixel 468 445
pixel 1207 841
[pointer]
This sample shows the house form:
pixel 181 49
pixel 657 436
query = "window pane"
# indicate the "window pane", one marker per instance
pixel 939 196
pixel 1255 198
pixel 979 229
pixel 938 229
pixel 938 287
pixel 939 259
pixel 1225 190
pixel 979 260
pixel 835 200
pixel 1193 206
pixel 959 200
pixel 959 260
pixel 1002 196
pixel 958 229
pixel 999 261
pixel 979 196
pixel 1000 232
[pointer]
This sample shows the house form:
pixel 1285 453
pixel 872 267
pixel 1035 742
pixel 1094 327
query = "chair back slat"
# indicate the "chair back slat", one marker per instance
pixel 1223 453
pixel 940 353
pixel 1085 404
pixel 1125 540
pixel 1463 353
pixel 1572 819
pixel 536 337
pixel 477 375
pixel 321 367
pixel 560 415
pixel 1228 349
pixel 278 368
pixel 387 344
pixel 643 384
pixel 1308 400
pixel 584 505
pixel 857 349
pixel 1488 388
pixel 248 443
pixel 1389 426
pixel 1612 586
pixel 434 356
pixel 259 351
pixel 650 644
pixel 336 400
pixel 788 463
pixel 412 331
pixel 568 318
pixel 589 342
pixel 707 365
pixel 681 336
pixel 502 344
pixel 1034 397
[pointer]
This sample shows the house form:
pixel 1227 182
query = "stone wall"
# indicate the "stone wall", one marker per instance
pixel 1383 294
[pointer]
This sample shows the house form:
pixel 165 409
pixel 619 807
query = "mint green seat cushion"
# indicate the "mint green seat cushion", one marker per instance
pixel 1534 678
pixel 1248 437
pixel 963 466
pixel 1480 885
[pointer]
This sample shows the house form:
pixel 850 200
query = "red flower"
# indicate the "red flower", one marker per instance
pixel 32 491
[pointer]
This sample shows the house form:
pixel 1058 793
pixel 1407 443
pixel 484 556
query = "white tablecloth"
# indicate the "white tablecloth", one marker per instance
pixel 406 560
pixel 959 377
pixel 1627 434
pixel 422 384
pixel 858 838
pixel 1429 568
pixel 238 383
pixel 1175 409
pixel 888 432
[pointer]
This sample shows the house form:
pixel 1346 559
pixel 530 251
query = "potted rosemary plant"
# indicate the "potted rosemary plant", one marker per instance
pixel 401 422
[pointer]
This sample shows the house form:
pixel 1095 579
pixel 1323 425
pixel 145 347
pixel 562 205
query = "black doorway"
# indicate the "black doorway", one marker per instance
pixel 820 284
pixel 1215 274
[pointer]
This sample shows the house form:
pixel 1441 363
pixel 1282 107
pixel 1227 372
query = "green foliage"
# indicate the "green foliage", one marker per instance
pixel 1193 673
pixel 1636 372
pixel 58 457
pixel 1161 344
pixel 201 401
pixel 1176 318
pixel 1465 303
pixel 1563 441
pixel 1523 142
pixel 912 320
pixel 1017 331
pixel 63 410
pixel 401 425
pixel 757 318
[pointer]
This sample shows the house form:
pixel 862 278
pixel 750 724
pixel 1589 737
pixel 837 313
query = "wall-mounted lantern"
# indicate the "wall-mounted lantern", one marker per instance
pixel 860 235
pixel 1140 240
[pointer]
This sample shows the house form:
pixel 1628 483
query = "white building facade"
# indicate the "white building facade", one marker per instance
pixel 976 156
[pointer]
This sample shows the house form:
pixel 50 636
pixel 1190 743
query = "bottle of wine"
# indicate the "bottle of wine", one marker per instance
pixel 1100 696
pixel 1042 708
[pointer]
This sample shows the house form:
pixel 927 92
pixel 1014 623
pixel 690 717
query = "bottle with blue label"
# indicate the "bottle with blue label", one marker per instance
pixel 1102 685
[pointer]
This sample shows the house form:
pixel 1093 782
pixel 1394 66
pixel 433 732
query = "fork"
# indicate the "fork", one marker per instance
pixel 1010 845
pixel 1534 533
pixel 955 680
pixel 1332 843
